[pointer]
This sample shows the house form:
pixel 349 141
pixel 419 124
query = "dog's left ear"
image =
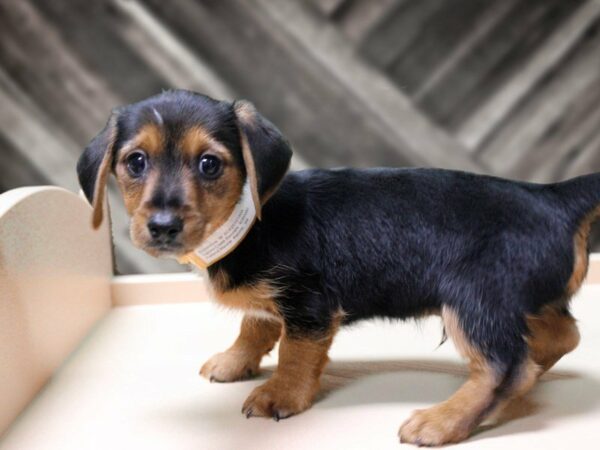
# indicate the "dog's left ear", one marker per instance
pixel 266 152
pixel 94 166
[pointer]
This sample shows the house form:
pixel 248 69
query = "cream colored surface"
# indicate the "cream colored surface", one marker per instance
pixel 162 288
pixel 593 276
pixel 54 285
pixel 134 384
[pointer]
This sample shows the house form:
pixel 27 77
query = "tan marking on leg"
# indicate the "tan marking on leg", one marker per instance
pixel 516 404
pixel 553 334
pixel 581 250
pixel 296 382
pixel 454 419
pixel 242 360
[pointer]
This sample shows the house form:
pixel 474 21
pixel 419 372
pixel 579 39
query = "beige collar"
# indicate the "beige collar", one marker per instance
pixel 229 235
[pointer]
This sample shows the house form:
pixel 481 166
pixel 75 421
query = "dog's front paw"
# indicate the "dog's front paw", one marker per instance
pixel 230 366
pixel 433 427
pixel 277 399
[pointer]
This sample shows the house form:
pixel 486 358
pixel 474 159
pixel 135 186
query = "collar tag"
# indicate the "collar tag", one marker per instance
pixel 228 236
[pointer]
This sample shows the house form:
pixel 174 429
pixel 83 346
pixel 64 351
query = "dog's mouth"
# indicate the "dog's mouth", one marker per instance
pixel 163 250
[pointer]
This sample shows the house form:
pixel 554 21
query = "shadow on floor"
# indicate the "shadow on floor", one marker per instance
pixel 349 384
pixel 558 394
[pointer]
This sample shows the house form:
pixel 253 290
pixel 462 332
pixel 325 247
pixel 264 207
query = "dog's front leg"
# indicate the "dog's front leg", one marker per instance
pixel 295 383
pixel 257 337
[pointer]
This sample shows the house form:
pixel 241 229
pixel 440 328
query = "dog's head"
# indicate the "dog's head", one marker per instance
pixel 181 160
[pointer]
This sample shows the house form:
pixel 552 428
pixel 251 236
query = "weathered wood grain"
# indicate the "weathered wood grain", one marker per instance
pixel 397 30
pixel 359 17
pixel 51 109
pixel 524 135
pixel 484 24
pixel 482 121
pixel 439 34
pixel 16 168
pixel 390 112
pixel 329 7
pixel 509 87
pixel 519 34
pixel 251 44
pixel 561 151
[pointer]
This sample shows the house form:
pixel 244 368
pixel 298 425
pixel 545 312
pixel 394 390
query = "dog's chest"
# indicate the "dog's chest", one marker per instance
pixel 256 299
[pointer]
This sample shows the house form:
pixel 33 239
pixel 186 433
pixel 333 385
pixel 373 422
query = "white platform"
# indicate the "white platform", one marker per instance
pixel 133 384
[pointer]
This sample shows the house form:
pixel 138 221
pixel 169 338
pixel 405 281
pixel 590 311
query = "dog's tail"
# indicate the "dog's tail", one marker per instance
pixel 581 195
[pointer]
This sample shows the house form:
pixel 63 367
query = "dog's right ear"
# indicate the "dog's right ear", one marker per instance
pixel 266 153
pixel 94 166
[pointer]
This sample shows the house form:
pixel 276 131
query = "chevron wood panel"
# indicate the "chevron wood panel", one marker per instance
pixel 507 87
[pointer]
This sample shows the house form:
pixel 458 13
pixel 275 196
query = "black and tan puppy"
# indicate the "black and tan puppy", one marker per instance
pixel 498 260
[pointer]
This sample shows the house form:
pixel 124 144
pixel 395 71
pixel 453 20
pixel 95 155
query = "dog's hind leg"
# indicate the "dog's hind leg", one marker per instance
pixel 490 385
pixel 552 334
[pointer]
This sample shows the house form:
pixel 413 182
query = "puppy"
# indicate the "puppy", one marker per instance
pixel 305 253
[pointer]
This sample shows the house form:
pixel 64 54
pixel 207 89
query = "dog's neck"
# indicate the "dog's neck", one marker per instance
pixel 229 235
pixel 254 256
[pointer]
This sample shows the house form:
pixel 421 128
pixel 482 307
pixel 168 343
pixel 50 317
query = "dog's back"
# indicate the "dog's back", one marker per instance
pixel 393 242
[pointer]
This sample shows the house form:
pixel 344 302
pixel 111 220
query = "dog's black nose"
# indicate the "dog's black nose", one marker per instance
pixel 165 226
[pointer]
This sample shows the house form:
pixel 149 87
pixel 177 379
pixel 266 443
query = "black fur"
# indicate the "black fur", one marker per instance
pixel 401 242
pixel 395 243
pixel 90 160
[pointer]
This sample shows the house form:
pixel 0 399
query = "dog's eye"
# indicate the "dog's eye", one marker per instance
pixel 210 166
pixel 136 164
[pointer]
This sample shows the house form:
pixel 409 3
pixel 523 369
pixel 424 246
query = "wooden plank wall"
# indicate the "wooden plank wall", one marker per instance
pixel 508 87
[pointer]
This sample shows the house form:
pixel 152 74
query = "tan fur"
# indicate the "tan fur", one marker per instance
pixel 454 419
pixel 135 193
pixel 552 335
pixel 296 382
pixel 245 112
pixel 257 338
pixel 220 281
pixel 217 201
pixel 516 404
pixel 259 296
pixel 195 141
pixel 580 240
pixel 150 138
pixel 251 173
